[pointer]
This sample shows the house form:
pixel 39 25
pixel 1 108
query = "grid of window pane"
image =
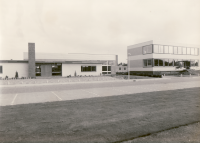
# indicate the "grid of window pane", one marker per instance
pixel 149 62
pixel 147 49
pixel 88 68
pixel 179 50
pixel 196 62
pixel 184 51
pixel 175 50
pixel 145 63
pixel 166 62
pixel 192 51
pixel 144 50
pixel 171 49
pixel 171 62
pixel 156 62
pixel 161 49
pixel 192 63
pixel 155 48
pixel 176 63
pixel 109 68
pixel 1 69
pixel 188 51
pixel 166 49
pixel 160 62
pixel 196 51
pixel 104 68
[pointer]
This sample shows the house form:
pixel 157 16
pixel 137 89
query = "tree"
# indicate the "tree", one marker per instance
pixel 16 74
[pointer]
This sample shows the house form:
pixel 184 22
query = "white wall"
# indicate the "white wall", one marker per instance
pixel 69 69
pixel 9 69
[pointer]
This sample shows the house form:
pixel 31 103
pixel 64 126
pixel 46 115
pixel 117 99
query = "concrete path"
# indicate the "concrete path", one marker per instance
pixel 60 95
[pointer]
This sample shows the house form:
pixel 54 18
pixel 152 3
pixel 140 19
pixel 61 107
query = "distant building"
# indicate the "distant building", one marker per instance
pixel 151 57
pixel 51 64
pixel 121 69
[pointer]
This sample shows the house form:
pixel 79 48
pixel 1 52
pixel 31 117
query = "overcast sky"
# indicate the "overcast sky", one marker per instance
pixel 94 26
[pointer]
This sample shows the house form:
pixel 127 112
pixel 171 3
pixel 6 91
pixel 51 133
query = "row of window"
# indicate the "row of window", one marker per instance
pixel 106 72
pixel 170 62
pixel 88 68
pixel 106 68
pixel 165 49
pixel 121 68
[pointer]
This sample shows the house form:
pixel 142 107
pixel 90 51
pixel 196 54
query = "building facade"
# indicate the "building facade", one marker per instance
pixel 121 69
pixel 52 64
pixel 152 56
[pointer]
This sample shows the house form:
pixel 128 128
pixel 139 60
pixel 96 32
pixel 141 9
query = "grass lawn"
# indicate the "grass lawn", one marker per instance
pixel 183 134
pixel 104 119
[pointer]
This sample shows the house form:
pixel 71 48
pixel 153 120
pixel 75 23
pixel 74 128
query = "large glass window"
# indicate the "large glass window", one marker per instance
pixel 171 49
pixel 147 63
pixel 161 49
pixel 179 63
pixel 184 51
pixel 88 68
pixel 166 62
pixel 192 63
pixel 56 69
pixel 192 51
pixel 147 49
pixel 175 50
pixel 196 62
pixel 104 68
pixel 171 62
pixel 179 50
pixel 1 69
pixel 38 70
pixel 196 51
pixel 158 62
pixel 166 49
pixel 188 51
pixel 109 68
pixel 155 48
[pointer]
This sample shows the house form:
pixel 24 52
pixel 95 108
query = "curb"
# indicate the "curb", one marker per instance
pixel 88 82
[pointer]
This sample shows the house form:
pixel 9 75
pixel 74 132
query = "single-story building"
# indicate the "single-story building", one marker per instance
pixel 53 64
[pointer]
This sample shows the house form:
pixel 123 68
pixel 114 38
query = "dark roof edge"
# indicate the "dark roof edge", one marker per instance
pixel 13 61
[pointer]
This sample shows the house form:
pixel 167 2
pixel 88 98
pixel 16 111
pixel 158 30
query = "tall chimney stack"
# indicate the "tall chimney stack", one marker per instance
pixel 31 60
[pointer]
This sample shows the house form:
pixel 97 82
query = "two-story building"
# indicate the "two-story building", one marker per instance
pixel 152 56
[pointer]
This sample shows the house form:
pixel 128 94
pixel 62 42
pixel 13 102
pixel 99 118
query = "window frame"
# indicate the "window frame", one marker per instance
pixel 147 63
pixel 146 49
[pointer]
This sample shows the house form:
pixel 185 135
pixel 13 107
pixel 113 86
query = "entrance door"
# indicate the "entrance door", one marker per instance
pixel 46 70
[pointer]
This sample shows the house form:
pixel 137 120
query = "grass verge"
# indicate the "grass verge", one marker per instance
pixel 105 119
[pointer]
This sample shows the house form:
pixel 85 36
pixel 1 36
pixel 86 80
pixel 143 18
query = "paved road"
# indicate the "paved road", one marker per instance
pixel 12 95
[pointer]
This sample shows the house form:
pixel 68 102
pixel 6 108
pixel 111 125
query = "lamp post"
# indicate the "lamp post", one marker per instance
pixel 128 65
